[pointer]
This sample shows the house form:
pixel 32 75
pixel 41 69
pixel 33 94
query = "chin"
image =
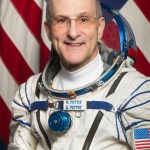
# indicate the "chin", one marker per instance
pixel 76 59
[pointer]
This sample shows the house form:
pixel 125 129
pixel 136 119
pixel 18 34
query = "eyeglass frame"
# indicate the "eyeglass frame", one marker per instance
pixel 77 21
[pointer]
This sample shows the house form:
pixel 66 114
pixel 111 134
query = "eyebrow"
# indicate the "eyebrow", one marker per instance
pixel 78 15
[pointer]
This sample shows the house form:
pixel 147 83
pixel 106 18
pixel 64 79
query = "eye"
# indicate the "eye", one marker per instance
pixel 61 20
pixel 84 19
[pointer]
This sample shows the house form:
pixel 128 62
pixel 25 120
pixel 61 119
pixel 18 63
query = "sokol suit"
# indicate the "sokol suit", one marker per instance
pixel 131 100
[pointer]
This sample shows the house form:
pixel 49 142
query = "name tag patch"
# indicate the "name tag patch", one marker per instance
pixel 74 105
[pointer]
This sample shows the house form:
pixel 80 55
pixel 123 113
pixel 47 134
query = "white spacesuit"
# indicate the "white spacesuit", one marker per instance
pixel 98 107
pixel 114 130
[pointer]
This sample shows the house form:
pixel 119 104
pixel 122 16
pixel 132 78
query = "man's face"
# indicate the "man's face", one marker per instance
pixel 76 46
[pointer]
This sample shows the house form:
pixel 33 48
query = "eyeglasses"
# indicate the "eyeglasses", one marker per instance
pixel 64 22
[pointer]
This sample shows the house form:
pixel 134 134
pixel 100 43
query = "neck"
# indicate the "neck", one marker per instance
pixel 65 79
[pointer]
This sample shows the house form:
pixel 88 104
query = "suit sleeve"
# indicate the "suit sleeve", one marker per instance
pixel 21 137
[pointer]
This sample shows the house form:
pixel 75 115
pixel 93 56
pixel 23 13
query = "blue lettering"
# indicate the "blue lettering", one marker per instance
pixel 67 107
pixel 67 102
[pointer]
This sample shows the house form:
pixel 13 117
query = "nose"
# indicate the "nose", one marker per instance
pixel 73 31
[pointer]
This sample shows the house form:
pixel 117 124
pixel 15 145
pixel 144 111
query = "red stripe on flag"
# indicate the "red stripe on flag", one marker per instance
pixel 142 65
pixel 143 148
pixel 144 144
pixel 142 141
pixel 31 14
pixel 44 55
pixel 13 60
pixel 5 116
pixel 145 7
pixel 111 36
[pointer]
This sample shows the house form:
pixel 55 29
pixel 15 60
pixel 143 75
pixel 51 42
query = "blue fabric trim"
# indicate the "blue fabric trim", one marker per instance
pixel 39 105
pixel 123 110
pixel 22 122
pixel 123 129
pixel 136 106
pixel 140 86
pixel 25 106
pixel 43 105
pixel 60 104
pixel 99 105
pixel 135 123
pixel 93 105
pixel 17 103
pixel 26 93
pixel 136 94
pixel 27 99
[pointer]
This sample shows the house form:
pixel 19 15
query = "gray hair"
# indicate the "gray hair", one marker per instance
pixel 49 14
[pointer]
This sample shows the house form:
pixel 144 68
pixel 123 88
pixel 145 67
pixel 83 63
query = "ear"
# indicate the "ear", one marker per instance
pixel 47 29
pixel 101 26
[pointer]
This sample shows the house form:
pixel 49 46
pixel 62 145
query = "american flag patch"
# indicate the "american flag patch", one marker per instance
pixel 142 138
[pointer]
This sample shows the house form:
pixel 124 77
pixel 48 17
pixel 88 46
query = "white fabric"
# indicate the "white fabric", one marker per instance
pixel 106 135
pixel 66 80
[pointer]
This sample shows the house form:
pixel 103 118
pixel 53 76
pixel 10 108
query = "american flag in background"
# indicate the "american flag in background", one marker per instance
pixel 24 47
pixel 24 50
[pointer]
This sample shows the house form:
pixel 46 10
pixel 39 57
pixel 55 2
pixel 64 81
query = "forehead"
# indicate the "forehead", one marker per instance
pixel 73 8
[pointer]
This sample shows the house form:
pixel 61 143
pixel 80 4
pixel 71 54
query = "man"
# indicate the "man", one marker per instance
pixel 39 120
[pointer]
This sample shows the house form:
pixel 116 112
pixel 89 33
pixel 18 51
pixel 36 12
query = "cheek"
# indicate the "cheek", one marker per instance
pixel 56 35
pixel 57 40
pixel 93 38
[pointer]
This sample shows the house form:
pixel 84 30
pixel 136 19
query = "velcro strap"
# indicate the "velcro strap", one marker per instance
pixel 72 105
pixel 100 105
pixel 39 105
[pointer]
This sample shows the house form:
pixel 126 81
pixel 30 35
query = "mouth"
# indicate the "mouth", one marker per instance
pixel 73 44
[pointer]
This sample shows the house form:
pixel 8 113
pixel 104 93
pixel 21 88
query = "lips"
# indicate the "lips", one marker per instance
pixel 73 44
